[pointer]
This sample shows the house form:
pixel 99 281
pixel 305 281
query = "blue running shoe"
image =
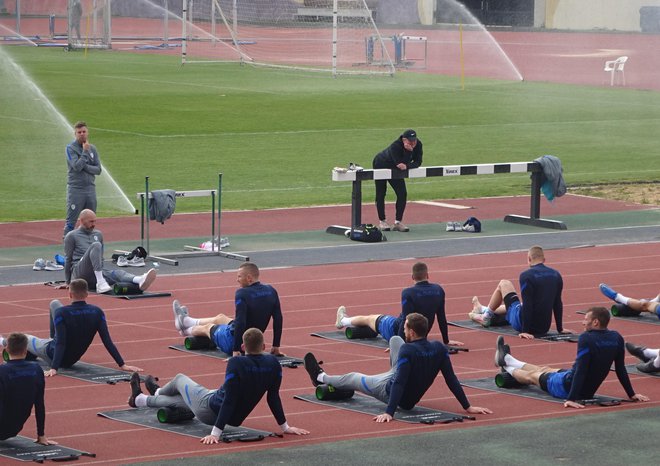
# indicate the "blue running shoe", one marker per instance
pixel 607 291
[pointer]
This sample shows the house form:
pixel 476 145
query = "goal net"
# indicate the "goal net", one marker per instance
pixel 339 36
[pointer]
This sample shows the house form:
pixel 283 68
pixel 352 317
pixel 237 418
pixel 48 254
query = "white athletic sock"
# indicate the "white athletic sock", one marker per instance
pixel 187 331
pixel 138 279
pixel 656 362
pixel 99 276
pixel 619 298
pixel 346 321
pixel 141 400
pixel 190 322
pixel 510 361
pixel 651 353
pixel 321 377
pixel 510 369
pixel 157 392
pixel 488 312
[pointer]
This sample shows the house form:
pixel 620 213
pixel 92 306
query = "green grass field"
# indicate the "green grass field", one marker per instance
pixel 275 135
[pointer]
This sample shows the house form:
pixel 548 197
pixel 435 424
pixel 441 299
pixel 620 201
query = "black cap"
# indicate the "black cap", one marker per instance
pixel 409 134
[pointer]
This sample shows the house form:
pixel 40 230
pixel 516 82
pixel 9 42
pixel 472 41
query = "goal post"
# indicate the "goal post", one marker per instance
pixel 337 36
pixel 89 24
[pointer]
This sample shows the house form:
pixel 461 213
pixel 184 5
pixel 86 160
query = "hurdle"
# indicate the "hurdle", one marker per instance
pixel 358 176
pixel 190 251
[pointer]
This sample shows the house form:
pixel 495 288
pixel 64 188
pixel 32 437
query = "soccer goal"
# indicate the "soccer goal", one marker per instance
pixel 88 24
pixel 338 36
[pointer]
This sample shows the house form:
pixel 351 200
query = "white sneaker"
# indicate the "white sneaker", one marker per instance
pixel 147 279
pixel 51 266
pixel 39 264
pixel 398 226
pixel 341 313
pixel 384 226
pixel 103 287
pixel 450 226
pixel 122 261
pixel 180 313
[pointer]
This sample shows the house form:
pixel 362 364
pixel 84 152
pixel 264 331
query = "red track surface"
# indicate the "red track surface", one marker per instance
pixel 303 219
pixel 310 296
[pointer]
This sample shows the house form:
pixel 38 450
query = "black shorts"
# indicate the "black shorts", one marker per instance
pixel 510 298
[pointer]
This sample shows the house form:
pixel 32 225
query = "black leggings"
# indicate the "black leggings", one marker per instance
pixel 399 187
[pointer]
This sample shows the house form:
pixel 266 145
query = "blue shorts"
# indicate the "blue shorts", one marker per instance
pixel 513 309
pixel 223 337
pixel 387 326
pixel 555 384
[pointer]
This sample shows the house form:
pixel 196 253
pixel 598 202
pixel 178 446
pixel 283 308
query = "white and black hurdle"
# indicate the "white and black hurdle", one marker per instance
pixel 360 175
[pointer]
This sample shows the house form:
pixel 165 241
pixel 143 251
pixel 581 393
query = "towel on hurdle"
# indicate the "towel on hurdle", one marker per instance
pixel 24 449
pixel 372 406
pixel 508 330
pixel 147 417
pixel 532 391
pixel 90 372
pixel 285 361
pixel 644 317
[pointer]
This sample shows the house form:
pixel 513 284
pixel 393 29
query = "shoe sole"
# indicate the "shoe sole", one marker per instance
pixel 178 316
pixel 151 276
pixel 500 352
pixel 340 316
pixel 310 361
pixel 638 352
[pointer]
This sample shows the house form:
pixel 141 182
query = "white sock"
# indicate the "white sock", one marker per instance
pixel 99 276
pixel 141 400
pixel 187 331
pixel 619 298
pixel 346 321
pixel 656 362
pixel 190 322
pixel 488 312
pixel 651 353
pixel 138 279
pixel 510 361
pixel 510 369
pixel 157 392
pixel 321 377
pixel 3 341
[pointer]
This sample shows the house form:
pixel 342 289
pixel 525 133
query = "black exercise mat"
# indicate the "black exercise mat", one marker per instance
pixel 286 361
pixel 146 417
pixel 508 330
pixel 90 372
pixel 340 335
pixel 144 294
pixel 531 391
pixel 632 369
pixel 24 449
pixel 644 317
pixel 368 405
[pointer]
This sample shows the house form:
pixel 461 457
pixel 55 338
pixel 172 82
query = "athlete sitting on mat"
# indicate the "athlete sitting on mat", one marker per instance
pixel 72 330
pixel 640 305
pixel 247 379
pixel 597 349
pixel 83 248
pixel 424 298
pixel 540 288
pixel 650 357
pixel 414 366
pixel 21 386
pixel 256 303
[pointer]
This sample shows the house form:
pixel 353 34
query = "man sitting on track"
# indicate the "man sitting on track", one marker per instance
pixel 641 305
pixel 256 303
pixel 247 379
pixel 73 328
pixel 423 298
pixel 21 387
pixel 540 288
pixel 83 248
pixel 414 366
pixel 597 349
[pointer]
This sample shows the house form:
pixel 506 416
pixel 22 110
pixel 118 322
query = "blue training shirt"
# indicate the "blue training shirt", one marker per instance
pixel 21 387
pixel 417 366
pixel 541 288
pixel 247 379
pixel 427 299
pixel 255 306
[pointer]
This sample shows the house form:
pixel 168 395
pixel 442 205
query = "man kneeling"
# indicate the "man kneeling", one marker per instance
pixel 247 379
pixel 414 366
pixel 597 349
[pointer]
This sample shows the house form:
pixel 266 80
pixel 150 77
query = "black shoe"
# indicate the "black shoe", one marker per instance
pixel 151 385
pixel 637 351
pixel 135 389
pixel 647 367
pixel 501 351
pixel 313 369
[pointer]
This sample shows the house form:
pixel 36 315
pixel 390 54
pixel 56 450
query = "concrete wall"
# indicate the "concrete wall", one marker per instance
pixel 620 15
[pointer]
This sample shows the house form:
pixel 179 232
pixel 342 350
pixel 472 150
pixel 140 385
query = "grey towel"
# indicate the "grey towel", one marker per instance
pixel 162 204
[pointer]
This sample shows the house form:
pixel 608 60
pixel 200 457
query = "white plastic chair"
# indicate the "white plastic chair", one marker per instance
pixel 614 66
